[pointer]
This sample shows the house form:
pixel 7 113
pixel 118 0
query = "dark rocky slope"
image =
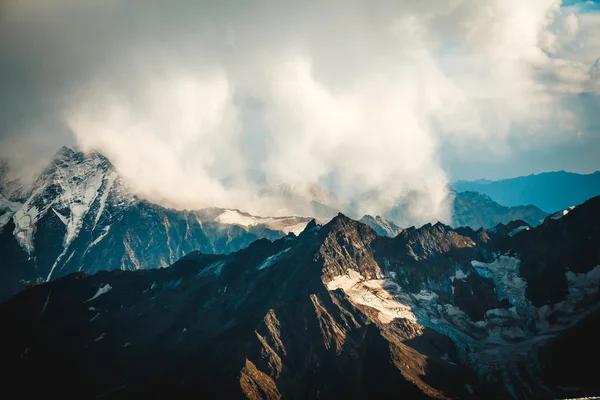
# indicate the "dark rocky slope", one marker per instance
pixel 338 312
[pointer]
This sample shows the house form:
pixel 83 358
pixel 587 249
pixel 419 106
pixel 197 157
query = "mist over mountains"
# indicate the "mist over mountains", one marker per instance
pixel 79 216
pixel 273 200
pixel 201 103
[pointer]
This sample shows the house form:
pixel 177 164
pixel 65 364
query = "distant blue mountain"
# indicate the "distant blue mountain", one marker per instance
pixel 550 191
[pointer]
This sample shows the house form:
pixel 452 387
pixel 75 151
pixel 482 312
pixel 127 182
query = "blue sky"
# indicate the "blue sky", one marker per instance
pixel 584 5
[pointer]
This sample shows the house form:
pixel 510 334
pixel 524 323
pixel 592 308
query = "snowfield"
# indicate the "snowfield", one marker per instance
pixel 294 225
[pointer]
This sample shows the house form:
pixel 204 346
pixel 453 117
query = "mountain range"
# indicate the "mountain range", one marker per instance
pixel 550 191
pixel 336 312
pixel 79 216
pixel 469 208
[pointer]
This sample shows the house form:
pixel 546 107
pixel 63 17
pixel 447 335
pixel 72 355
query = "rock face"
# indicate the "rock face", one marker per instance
pixel 337 312
pixel 478 210
pixel 78 216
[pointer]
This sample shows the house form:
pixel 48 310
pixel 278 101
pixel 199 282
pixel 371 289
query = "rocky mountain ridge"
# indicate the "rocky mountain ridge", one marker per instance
pixel 338 311
pixel 79 216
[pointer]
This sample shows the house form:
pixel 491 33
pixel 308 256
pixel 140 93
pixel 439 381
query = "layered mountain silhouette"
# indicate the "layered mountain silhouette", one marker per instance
pixel 469 208
pixel 550 191
pixel 337 312
pixel 478 210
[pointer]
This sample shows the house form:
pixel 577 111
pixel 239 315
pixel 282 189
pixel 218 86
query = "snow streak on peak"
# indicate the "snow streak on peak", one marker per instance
pixel 518 229
pixel 69 186
pixel 560 214
pixel 103 289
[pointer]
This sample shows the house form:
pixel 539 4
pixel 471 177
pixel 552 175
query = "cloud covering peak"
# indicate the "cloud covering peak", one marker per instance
pixel 202 103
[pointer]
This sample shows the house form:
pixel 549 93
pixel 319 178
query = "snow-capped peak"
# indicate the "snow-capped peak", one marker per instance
pixel 69 186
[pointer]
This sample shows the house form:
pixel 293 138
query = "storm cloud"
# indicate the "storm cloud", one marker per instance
pixel 203 103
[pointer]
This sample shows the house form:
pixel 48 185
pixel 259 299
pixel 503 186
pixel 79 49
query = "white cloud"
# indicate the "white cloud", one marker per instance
pixel 193 101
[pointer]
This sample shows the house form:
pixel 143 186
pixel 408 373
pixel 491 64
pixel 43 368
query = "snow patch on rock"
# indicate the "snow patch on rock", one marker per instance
pixel 62 218
pixel 272 259
pixel 460 274
pixel 99 238
pixel 517 230
pixel 425 295
pixel 284 224
pixel 504 271
pixel 25 220
pixel 234 217
pixel 372 293
pixel 345 282
pixel 560 214
pixel 216 267
pixel 583 285
pixel 102 290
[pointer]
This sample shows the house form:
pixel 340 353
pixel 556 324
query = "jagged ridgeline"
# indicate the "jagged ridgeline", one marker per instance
pixel 338 312
pixel 79 216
